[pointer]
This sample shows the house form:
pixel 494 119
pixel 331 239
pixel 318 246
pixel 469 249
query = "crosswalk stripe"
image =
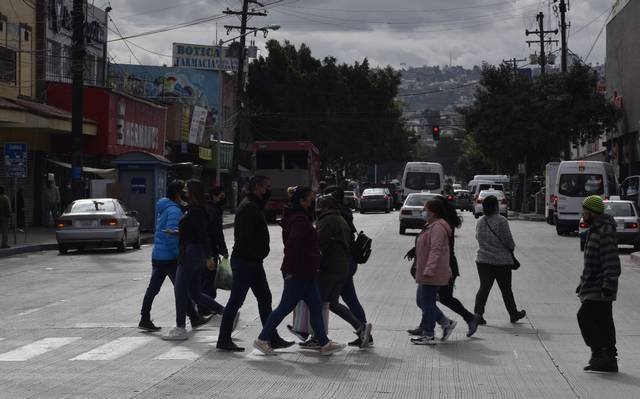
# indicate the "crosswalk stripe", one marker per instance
pixel 37 348
pixel 179 353
pixel 114 349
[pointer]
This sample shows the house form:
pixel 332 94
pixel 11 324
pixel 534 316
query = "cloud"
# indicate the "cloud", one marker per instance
pixel 414 32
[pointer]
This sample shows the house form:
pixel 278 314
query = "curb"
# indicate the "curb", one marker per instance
pixel 635 258
pixel 25 249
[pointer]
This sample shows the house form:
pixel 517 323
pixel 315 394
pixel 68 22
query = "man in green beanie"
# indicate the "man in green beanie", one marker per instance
pixel 598 286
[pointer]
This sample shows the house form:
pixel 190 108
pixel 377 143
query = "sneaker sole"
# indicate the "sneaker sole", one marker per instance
pixel 449 331
pixel 425 343
pixel 175 338
pixel 332 351
pixel 149 329
pixel 263 350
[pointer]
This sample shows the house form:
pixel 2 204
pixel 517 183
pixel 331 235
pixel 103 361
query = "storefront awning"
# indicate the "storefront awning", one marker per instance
pixel 104 173
pixel 25 114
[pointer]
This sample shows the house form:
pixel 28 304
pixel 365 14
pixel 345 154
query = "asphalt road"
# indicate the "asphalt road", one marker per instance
pixel 69 331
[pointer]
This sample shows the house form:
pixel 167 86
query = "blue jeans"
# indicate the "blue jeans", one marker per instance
pixel 188 285
pixel 296 290
pixel 350 297
pixel 246 275
pixel 159 272
pixel 430 312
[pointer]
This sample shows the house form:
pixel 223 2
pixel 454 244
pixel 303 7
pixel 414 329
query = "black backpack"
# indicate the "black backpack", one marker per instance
pixel 361 250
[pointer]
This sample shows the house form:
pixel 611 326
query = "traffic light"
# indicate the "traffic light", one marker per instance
pixel 435 130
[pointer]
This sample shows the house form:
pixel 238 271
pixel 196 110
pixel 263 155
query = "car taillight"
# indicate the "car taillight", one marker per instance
pixel 478 200
pixel 63 223
pixel 450 197
pixel 631 225
pixel 386 197
pixel 406 212
pixel 584 225
pixel 109 222
pixel 553 199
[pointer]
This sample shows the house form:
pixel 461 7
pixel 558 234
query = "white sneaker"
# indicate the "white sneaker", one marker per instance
pixel 263 346
pixel 332 347
pixel 176 334
pixel 447 330
pixel 235 321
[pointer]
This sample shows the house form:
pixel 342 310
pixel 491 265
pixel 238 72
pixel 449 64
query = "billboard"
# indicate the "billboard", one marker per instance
pixel 199 56
pixel 196 89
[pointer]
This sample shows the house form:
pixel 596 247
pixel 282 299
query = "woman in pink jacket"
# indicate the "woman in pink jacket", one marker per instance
pixel 432 270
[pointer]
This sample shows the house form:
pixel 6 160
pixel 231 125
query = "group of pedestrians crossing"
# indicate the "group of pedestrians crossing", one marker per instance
pixel 435 269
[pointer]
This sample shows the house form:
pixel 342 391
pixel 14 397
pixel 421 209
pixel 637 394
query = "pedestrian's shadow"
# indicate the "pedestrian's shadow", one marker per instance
pixel 624 378
pixel 470 351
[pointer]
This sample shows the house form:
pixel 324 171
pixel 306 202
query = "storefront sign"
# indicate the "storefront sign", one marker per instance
pixel 203 57
pixel 138 185
pixel 198 122
pixel 15 159
pixel 205 153
pixel 134 134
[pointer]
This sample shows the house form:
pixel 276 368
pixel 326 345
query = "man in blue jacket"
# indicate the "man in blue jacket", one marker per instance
pixel 164 258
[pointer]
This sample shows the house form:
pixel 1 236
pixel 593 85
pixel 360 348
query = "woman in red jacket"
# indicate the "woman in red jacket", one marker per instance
pixel 300 268
pixel 432 269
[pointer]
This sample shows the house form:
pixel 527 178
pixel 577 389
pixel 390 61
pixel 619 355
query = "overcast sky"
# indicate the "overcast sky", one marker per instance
pixel 411 32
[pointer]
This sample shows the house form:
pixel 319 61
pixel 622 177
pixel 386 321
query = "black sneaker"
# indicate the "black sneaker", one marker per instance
pixel 300 335
pixel 147 325
pixel 603 361
pixel 229 347
pixel 518 315
pixel 281 344
pixel 481 320
pixel 416 331
pixel 312 343
pixel 473 326
pixel 195 323
pixel 358 342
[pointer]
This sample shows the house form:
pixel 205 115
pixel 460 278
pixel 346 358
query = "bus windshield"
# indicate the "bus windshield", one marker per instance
pixel 422 181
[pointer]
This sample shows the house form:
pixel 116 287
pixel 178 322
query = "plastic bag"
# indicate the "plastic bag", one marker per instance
pixel 224 275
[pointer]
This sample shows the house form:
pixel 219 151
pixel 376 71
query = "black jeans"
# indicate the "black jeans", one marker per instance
pixel 188 286
pixel 596 325
pixel 209 288
pixel 488 274
pixel 445 295
pixel 161 270
pixel 246 275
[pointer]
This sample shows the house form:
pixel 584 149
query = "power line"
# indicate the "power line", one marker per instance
pixel 125 42
pixel 591 22
pixel 386 11
pixel 172 27
pixel 598 37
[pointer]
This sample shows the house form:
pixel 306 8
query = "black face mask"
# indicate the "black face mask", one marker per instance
pixel 222 201
pixel 266 195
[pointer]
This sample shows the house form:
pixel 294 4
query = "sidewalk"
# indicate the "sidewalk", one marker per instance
pixel 38 239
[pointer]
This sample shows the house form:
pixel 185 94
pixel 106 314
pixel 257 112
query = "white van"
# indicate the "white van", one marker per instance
pixel 577 180
pixel 422 177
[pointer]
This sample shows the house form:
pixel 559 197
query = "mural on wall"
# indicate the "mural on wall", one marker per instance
pixel 199 90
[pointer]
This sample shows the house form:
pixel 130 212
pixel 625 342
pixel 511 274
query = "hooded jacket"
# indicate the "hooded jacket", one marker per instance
pixel 335 243
pixel 601 261
pixel 433 254
pixel 301 249
pixel 168 215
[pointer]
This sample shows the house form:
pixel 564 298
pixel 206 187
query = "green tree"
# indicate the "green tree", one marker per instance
pixel 349 111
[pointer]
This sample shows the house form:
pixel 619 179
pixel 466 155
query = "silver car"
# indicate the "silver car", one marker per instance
pixel 97 222
pixel 411 212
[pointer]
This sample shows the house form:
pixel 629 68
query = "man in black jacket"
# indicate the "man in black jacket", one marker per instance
pixel 250 248
pixel 215 209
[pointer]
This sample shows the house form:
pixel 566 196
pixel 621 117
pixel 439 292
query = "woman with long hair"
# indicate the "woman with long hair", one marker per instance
pixel 432 270
pixel 495 259
pixel 300 268
pixel 195 254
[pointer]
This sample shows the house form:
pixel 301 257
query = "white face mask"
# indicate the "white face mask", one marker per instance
pixel 424 214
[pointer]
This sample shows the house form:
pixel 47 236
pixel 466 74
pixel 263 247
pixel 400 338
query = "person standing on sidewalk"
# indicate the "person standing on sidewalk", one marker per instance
pixel 195 254
pixel 445 293
pixel 215 208
pixel 5 218
pixel 164 257
pixel 300 268
pixel 599 286
pixel 495 259
pixel 250 248
pixel 52 200
pixel 433 271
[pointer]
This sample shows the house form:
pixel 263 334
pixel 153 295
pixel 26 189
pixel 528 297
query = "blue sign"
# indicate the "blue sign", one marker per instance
pixel 15 159
pixel 139 185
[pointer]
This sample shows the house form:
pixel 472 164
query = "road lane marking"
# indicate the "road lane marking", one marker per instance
pixel 37 348
pixel 114 349
pixel 29 311
pixel 105 325
pixel 179 353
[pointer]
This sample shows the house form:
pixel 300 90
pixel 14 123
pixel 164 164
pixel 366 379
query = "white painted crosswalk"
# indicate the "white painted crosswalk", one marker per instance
pixel 114 349
pixel 37 348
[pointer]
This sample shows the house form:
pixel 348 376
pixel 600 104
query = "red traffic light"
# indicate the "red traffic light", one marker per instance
pixel 435 130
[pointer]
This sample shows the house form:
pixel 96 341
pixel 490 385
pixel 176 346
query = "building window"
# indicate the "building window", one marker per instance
pixel 1 26
pixel 8 65
pixel 90 69
pixel 26 35
pixel 54 58
pixel 67 61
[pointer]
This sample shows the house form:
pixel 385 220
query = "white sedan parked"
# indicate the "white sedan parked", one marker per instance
pixel 502 201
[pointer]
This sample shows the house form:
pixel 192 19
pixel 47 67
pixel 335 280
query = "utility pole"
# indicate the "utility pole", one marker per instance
pixel 514 61
pixel 541 33
pixel 77 100
pixel 563 31
pixel 244 14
